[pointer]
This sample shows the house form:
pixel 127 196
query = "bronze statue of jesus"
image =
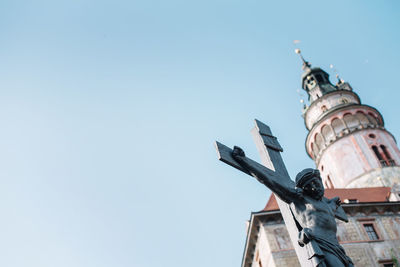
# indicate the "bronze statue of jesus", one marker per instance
pixel 314 213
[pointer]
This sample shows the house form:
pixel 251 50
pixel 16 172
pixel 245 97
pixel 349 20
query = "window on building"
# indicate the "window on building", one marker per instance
pixel 372 119
pixel 352 200
pixel 370 230
pixel 319 140
pixel 351 121
pixel 386 263
pixel 319 78
pixel 389 159
pixel 328 134
pixel 338 126
pixel 329 182
pixel 362 118
pixel 378 155
pixel 315 150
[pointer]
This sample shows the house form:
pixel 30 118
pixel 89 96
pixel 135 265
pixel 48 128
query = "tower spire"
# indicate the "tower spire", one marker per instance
pixel 306 64
pixel 315 81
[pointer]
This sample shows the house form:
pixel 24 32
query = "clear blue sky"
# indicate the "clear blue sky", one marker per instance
pixel 109 111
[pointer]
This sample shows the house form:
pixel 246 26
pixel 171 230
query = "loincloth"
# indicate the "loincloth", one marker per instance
pixel 317 246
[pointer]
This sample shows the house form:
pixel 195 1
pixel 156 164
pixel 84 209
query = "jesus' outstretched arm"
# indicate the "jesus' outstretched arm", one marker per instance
pixel 280 187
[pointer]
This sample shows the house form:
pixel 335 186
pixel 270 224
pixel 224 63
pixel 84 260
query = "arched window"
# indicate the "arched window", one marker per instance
pixel 338 126
pixel 319 141
pixel 379 156
pixel 372 119
pixel 351 121
pixel 314 149
pixel 389 159
pixel 362 118
pixel 328 133
pixel 329 181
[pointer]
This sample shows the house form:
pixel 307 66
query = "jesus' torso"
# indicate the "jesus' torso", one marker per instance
pixel 317 215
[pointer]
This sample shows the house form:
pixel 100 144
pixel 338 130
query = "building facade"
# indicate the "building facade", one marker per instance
pixel 359 161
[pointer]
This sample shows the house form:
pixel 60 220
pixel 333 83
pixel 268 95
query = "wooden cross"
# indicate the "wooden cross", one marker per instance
pixel 273 165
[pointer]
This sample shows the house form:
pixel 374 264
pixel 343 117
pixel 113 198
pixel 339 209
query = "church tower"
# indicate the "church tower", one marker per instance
pixel 346 139
pixel 359 162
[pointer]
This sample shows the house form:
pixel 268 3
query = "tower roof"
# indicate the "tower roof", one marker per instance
pixel 315 81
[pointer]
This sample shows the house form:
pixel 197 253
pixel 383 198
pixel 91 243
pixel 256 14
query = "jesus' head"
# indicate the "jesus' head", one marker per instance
pixel 309 180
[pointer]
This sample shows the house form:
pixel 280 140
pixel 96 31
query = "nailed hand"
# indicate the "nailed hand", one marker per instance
pixel 238 152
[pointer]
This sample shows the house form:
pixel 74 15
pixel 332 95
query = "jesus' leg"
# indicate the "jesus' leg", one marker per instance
pixel 331 260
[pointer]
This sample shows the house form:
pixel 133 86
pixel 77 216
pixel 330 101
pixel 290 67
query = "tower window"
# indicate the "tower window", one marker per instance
pixel 319 78
pixel 328 133
pixel 372 119
pixel 351 121
pixel 370 230
pixel 352 200
pixel 314 149
pixel 372 136
pixel 379 156
pixel 362 118
pixel 389 159
pixel 330 184
pixel 319 141
pixel 338 126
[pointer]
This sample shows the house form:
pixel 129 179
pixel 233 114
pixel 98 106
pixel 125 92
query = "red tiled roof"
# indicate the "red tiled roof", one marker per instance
pixel 367 194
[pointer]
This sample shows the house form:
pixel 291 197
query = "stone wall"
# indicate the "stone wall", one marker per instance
pixel 274 247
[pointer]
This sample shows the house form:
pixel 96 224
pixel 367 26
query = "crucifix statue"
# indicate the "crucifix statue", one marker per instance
pixel 308 215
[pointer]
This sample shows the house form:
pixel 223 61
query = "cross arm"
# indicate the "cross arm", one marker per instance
pixel 225 155
pixel 273 180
